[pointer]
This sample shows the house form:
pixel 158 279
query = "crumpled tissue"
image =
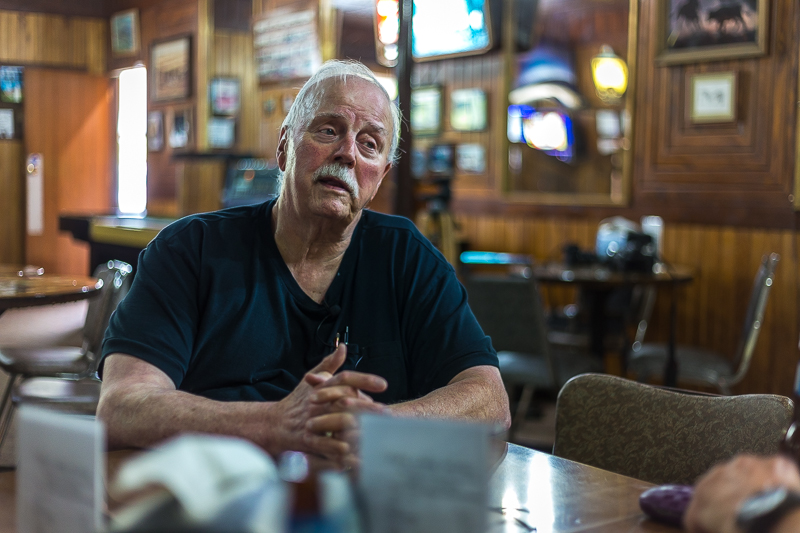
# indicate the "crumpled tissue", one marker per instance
pixel 209 481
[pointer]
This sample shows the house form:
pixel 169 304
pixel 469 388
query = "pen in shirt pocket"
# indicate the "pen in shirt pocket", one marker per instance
pixel 352 349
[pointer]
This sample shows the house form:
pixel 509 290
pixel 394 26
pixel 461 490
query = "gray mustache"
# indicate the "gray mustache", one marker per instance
pixel 340 172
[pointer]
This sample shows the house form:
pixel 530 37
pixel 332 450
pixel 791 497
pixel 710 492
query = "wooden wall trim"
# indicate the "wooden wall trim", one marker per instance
pixel 80 8
pixel 715 213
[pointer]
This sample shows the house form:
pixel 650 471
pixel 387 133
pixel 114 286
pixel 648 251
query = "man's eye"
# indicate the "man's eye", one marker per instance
pixel 327 131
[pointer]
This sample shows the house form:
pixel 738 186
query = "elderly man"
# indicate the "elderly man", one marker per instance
pixel 279 322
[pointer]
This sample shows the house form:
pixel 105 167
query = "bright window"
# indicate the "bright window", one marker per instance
pixel 132 142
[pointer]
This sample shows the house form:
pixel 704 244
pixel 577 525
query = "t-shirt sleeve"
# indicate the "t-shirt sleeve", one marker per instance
pixel 443 336
pixel 157 319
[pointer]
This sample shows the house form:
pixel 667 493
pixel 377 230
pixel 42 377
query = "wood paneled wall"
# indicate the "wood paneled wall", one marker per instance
pixel 233 57
pixel 736 173
pixel 480 72
pixel 12 194
pixel 160 21
pixel 53 40
pixel 66 120
pixel 74 44
pixel 724 191
pixel 710 309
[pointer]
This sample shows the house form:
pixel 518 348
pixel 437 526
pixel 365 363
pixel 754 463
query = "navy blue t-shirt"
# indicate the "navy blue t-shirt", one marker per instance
pixel 214 306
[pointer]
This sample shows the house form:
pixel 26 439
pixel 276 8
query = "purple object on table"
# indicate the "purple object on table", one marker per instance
pixel 666 503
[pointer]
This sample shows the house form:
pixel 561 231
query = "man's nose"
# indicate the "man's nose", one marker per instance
pixel 346 151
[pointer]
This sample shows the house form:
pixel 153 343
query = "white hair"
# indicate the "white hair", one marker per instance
pixel 306 102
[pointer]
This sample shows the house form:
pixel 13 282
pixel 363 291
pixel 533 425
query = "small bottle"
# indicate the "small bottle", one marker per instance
pixel 306 514
pixel 790 445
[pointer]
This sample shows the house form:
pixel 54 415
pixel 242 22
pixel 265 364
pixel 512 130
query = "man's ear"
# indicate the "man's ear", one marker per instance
pixel 282 147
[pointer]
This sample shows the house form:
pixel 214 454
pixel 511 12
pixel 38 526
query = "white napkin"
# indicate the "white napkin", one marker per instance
pixel 203 472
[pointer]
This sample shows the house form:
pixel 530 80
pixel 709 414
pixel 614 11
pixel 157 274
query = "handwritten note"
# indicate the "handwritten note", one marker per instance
pixel 59 472
pixel 424 475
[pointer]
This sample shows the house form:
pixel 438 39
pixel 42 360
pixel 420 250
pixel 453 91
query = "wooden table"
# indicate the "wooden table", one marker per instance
pixel 548 493
pixel 42 289
pixel 598 282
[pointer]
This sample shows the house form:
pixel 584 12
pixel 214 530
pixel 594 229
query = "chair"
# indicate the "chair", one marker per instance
pixel 662 435
pixel 697 366
pixel 509 309
pixel 64 375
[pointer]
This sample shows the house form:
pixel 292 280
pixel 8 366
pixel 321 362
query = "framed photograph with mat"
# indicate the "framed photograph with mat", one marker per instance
pixel 180 131
pixel 171 67
pixel 692 31
pixel 712 97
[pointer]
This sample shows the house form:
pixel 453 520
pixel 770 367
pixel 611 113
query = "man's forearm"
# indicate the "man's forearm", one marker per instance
pixel 147 415
pixel 475 394
pixel 141 407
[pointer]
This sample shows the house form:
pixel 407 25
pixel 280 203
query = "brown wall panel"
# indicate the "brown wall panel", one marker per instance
pixel 199 186
pixel 11 202
pixel 66 120
pixel 53 40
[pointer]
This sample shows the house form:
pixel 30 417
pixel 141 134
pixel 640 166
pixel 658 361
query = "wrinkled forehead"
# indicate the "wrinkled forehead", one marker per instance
pixel 349 91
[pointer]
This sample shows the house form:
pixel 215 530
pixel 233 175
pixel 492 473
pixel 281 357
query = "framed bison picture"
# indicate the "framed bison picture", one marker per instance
pixel 691 31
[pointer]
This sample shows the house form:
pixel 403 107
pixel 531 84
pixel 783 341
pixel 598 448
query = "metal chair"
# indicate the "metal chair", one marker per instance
pixel 698 366
pixel 662 435
pixel 64 375
pixel 509 309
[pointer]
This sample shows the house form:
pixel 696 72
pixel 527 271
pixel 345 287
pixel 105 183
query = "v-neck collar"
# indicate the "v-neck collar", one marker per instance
pixel 334 293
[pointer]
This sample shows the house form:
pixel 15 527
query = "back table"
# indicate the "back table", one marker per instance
pixel 529 489
pixel 598 281
pixel 28 286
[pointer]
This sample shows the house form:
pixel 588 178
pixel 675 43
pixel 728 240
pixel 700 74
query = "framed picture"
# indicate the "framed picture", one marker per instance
pixel 171 67
pixel 286 43
pixel 155 131
pixel 426 110
pixel 224 94
pixel 471 158
pixel 221 132
pixel 125 33
pixel 6 123
pixel 468 110
pixel 11 85
pixel 180 132
pixel 691 31
pixel 712 97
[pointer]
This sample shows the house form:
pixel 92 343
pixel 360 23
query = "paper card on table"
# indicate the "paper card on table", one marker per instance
pixel 421 475
pixel 60 472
